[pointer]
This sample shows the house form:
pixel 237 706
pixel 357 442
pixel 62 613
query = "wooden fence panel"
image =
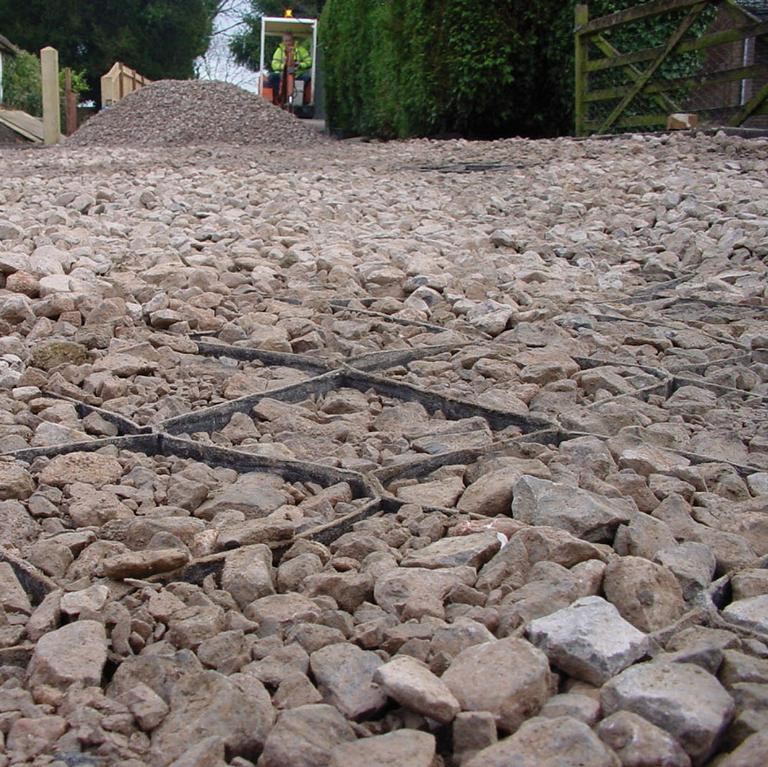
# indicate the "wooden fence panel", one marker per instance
pixel 709 57
pixel 119 82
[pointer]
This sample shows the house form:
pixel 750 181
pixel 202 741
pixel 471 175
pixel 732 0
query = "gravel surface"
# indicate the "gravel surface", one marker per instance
pixel 435 454
pixel 192 112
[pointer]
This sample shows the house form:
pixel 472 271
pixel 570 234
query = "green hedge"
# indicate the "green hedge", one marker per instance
pixel 22 88
pixel 397 68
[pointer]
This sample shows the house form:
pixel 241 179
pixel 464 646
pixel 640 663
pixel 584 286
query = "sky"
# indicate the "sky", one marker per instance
pixel 217 63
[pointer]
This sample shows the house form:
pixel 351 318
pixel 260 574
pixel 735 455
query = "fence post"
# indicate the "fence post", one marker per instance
pixel 70 104
pixel 49 66
pixel 581 52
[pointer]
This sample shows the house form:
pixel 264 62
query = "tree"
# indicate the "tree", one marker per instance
pixel 158 38
pixel 246 44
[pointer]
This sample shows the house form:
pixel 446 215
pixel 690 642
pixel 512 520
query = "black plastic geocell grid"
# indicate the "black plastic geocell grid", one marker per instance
pixel 665 389
pixel 156 444
pixel 214 418
pixel 381 362
pixel 547 438
pixel 125 426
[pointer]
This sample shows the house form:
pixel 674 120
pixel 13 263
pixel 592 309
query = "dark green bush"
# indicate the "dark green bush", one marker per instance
pixel 397 68
pixel 21 83
pixel 426 67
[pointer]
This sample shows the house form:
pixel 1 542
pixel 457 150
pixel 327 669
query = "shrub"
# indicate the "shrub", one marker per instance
pixel 22 88
pixel 397 68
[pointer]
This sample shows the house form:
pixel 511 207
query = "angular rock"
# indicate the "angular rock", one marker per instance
pixel 74 653
pixel 15 482
pixel 207 704
pixel 751 613
pixel 247 574
pixel 583 514
pixel 282 609
pixel 30 737
pixel 588 640
pixel 491 494
pixel 146 705
pixel 683 699
pixel 344 675
pixel 576 705
pixel 647 595
pixel 414 686
pixel 209 752
pixel 753 751
pixel 508 677
pixel 540 742
pixel 638 743
pixel 349 589
pixel 402 748
pixel 440 494
pixel 305 737
pixel 87 468
pixel 256 494
pixel 472 550
pixel 13 598
pixel 141 564
pixel 472 732
pixel 412 592
pixel 91 599
pixel 692 563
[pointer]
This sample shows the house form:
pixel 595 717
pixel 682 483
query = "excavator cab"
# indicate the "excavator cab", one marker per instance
pixel 295 58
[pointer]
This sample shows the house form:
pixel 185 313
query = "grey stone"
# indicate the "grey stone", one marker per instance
pixel 344 675
pixel 751 613
pixel 588 640
pixel 686 701
pixel 583 514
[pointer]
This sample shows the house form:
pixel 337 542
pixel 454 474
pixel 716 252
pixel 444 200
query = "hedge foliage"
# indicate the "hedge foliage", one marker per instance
pixel 22 87
pixel 397 68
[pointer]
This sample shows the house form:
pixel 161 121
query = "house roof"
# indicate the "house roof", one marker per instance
pixel 6 46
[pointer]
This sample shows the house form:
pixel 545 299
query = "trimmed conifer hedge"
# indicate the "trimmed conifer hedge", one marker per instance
pixel 398 68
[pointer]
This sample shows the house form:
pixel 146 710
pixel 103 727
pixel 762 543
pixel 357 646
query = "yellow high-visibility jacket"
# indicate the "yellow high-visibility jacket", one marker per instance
pixel 301 59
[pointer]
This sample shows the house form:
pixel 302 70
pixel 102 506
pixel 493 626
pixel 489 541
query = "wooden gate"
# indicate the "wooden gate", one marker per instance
pixel 119 82
pixel 636 67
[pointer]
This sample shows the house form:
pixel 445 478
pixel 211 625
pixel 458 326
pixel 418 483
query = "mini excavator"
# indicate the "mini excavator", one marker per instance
pixel 291 87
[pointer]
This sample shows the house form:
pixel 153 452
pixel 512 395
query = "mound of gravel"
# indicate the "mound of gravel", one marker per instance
pixel 188 112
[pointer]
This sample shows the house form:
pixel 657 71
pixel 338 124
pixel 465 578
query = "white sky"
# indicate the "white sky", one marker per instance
pixel 217 63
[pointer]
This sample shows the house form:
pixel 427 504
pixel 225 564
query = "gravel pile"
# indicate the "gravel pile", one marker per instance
pixel 191 112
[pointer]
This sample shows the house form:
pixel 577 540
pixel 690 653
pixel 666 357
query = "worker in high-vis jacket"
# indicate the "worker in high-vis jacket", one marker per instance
pixel 289 58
